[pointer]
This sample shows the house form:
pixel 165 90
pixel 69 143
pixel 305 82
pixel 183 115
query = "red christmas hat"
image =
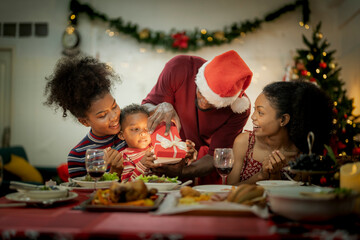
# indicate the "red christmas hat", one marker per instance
pixel 223 80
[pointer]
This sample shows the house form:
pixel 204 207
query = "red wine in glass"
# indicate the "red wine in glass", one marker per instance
pixel 223 162
pixel 224 170
pixel 96 174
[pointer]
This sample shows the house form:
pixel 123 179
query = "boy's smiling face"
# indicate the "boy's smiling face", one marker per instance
pixel 134 131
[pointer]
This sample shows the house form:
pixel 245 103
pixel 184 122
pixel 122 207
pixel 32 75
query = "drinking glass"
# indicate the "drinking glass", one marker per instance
pixel 223 162
pixel 95 163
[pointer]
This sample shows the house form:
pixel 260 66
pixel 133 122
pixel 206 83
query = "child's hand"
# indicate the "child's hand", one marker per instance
pixel 191 153
pixel 148 159
pixel 115 160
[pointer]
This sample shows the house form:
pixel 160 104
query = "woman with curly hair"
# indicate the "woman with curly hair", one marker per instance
pixel 284 114
pixel 82 87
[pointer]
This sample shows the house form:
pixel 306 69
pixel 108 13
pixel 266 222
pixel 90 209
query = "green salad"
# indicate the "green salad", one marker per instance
pixel 157 179
pixel 105 177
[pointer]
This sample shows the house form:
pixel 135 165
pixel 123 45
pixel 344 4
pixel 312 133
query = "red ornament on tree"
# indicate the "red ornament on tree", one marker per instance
pixel 313 80
pixel 304 72
pixel 323 180
pixel 356 151
pixel 341 145
pixel 345 116
pixel 323 65
pixel 335 111
pixel 180 40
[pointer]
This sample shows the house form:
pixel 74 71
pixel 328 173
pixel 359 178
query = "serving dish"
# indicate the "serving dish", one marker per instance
pixel 309 203
pixel 91 184
pixel 86 205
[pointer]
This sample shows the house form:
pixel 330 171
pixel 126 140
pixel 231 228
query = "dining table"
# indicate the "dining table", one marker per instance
pixel 68 220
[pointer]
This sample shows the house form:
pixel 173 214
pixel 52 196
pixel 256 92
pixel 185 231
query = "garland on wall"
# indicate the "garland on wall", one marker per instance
pixel 183 41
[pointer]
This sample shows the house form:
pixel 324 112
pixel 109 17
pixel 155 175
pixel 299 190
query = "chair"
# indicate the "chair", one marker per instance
pixel 16 167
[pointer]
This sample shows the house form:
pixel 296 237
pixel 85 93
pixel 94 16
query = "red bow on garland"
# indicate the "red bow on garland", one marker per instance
pixel 180 40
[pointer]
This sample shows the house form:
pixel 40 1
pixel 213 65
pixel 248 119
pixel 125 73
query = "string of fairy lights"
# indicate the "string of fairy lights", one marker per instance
pixel 180 40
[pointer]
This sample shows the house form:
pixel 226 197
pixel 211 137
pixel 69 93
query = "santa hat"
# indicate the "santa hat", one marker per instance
pixel 223 80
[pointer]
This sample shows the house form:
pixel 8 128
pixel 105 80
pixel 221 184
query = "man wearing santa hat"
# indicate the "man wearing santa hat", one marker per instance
pixel 207 102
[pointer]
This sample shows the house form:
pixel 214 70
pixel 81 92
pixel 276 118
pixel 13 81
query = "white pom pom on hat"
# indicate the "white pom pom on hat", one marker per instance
pixel 223 81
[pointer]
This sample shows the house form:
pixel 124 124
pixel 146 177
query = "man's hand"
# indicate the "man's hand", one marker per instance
pixel 169 170
pixel 163 112
pixel 191 153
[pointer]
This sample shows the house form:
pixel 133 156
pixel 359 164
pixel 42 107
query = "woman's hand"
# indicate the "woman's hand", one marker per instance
pixel 191 153
pixel 163 112
pixel 272 166
pixel 148 159
pixel 115 160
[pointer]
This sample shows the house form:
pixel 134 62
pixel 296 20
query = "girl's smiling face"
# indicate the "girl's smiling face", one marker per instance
pixel 265 120
pixel 103 116
pixel 134 131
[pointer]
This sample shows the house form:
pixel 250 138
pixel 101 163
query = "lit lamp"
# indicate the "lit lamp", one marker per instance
pixel 350 178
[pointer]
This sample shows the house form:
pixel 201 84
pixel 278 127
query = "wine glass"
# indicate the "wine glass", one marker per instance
pixel 223 162
pixel 95 163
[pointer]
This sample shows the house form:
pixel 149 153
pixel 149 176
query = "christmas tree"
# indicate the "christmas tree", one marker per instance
pixel 317 65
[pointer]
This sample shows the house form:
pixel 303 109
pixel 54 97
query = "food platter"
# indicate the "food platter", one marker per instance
pixel 213 188
pixel 21 197
pixel 122 208
pixel 170 206
pixel 91 184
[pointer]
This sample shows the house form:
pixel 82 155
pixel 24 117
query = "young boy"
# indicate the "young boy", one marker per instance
pixel 138 157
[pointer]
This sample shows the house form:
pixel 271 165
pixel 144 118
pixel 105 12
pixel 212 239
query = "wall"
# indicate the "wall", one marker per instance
pixel 48 137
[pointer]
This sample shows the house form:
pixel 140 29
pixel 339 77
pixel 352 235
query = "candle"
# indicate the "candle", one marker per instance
pixel 350 178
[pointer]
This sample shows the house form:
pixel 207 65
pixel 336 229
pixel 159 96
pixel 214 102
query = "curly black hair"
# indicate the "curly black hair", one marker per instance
pixel 132 109
pixel 76 83
pixel 310 109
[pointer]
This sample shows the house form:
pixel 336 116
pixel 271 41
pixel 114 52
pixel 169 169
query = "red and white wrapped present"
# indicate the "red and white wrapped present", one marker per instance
pixel 170 148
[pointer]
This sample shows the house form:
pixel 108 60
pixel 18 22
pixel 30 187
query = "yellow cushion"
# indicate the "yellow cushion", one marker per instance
pixel 23 169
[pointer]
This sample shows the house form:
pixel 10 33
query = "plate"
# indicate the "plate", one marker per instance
pixel 277 183
pixel 102 208
pixel 213 188
pixel 21 197
pixel 302 203
pixel 164 186
pixel 90 184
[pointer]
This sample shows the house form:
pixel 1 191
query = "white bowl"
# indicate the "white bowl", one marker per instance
pixel 267 184
pixel 46 194
pixel 291 203
pixel 165 186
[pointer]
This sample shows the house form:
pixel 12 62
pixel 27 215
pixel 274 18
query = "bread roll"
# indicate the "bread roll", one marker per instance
pixel 189 192
pixel 245 193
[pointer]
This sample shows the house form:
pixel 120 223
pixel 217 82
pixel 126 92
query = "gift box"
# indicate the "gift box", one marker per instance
pixel 168 149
